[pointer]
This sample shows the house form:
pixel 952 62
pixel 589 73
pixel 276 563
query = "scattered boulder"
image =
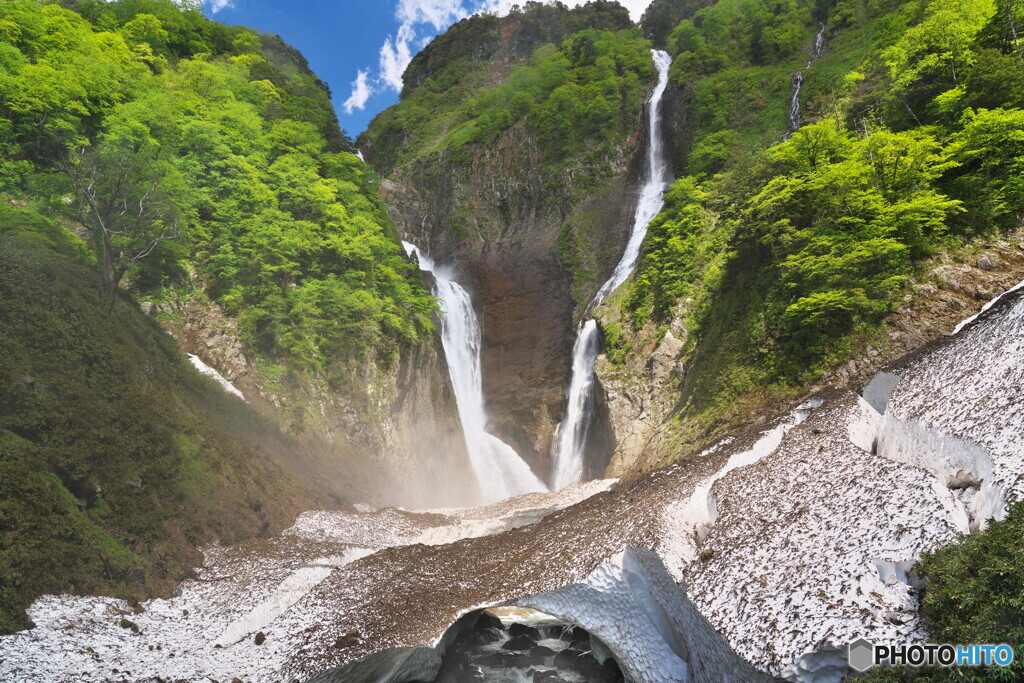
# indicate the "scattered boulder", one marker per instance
pixel 348 640
pixel 594 672
pixel 487 621
pixel 578 635
pixel 498 660
pixel 542 651
pixel 260 638
pixel 524 630
pixel 520 643
pixel 566 659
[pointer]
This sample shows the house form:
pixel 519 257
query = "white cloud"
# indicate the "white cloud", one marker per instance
pixel 361 92
pixel 218 5
pixel 438 13
pixel 395 55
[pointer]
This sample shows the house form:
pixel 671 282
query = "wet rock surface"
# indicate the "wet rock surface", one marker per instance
pixel 524 652
pixel 510 256
pixel 388 436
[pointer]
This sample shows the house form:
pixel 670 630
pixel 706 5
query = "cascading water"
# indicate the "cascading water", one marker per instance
pixel 798 82
pixel 570 438
pixel 500 472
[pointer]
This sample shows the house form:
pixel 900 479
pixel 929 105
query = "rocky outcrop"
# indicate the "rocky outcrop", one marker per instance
pixel 646 387
pixel 390 433
pixel 642 394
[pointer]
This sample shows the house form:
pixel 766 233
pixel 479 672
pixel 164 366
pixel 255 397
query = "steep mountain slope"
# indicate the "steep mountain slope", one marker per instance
pixel 788 259
pixel 118 458
pixel 762 557
pixel 776 262
pixel 165 161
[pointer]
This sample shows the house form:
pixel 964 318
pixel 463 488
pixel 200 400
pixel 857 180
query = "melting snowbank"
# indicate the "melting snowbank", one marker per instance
pixel 210 372
pixel 644 618
pixel 207 631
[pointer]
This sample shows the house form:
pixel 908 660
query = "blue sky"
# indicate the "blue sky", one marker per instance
pixel 361 47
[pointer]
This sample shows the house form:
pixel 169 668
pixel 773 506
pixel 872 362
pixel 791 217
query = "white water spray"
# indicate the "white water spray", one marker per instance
pixel 500 472
pixel 571 435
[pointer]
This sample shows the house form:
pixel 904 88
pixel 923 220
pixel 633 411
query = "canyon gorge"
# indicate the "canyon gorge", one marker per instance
pixel 671 350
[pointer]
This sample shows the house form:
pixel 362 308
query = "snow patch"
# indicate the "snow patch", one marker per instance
pixel 863 425
pixel 210 372
pixel 645 621
pixel 291 590
pixel 879 389
pixel 956 463
pixel 686 524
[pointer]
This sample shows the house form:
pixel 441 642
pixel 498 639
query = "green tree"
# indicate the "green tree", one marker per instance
pixel 127 196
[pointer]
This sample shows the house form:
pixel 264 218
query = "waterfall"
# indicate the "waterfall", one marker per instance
pixel 798 82
pixel 571 436
pixel 499 471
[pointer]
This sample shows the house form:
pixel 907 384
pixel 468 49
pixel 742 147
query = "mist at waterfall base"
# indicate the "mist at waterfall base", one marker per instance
pixel 568 448
pixel 498 470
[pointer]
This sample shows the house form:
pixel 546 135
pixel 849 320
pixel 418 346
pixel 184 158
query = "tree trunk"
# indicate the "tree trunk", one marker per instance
pixel 109 286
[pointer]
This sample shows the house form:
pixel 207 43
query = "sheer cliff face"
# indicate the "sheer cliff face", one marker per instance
pixel 510 254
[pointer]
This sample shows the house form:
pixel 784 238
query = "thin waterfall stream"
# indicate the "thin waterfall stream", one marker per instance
pixel 798 82
pixel 570 438
pixel 499 471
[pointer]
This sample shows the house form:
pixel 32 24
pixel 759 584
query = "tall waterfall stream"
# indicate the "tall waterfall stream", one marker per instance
pixel 567 455
pixel 499 471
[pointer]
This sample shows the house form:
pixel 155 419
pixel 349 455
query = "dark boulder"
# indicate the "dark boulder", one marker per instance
pixel 524 630
pixel 521 643
pixel 566 659
pixel 486 621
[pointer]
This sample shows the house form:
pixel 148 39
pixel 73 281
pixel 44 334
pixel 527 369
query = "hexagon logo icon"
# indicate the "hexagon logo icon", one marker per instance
pixel 861 654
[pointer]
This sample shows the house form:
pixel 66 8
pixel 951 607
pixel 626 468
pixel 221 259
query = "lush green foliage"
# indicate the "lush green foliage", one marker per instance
pixel 832 220
pixel 975 590
pixel 228 143
pixel 775 254
pixel 578 91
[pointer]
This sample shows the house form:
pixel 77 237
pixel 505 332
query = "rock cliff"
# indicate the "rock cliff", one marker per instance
pixel 391 433
pixel 531 241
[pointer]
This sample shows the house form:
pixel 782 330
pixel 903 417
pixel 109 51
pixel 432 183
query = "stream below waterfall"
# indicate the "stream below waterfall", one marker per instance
pixel 569 446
